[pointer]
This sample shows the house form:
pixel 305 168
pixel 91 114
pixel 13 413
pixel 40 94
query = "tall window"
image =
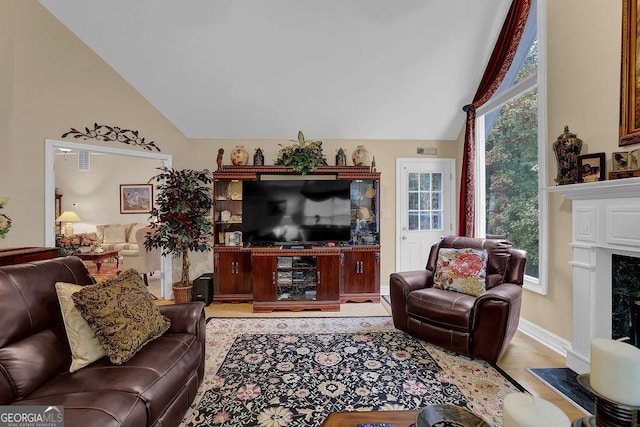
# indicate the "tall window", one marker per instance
pixel 510 165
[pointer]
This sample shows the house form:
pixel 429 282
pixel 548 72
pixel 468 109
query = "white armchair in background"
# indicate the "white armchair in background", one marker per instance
pixel 139 259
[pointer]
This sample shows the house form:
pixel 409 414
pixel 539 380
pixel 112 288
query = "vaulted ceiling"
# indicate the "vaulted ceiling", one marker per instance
pixel 362 69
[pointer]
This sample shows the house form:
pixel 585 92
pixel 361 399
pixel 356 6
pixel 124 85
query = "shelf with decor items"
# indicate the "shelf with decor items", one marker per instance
pixel 242 270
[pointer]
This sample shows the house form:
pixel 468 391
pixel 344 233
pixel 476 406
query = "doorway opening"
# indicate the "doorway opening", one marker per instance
pixel 53 146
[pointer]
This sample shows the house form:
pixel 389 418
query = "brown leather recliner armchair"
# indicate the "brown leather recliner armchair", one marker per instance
pixel 480 327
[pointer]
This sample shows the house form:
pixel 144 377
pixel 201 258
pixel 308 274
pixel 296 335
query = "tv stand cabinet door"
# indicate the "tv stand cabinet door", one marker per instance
pixel 361 277
pixel 328 286
pixel 264 269
pixel 232 277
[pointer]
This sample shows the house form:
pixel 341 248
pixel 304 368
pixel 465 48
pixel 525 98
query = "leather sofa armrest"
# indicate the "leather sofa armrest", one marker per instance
pixel 188 318
pixel 401 284
pixel 185 318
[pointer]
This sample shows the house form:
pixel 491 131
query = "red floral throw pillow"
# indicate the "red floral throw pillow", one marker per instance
pixel 461 270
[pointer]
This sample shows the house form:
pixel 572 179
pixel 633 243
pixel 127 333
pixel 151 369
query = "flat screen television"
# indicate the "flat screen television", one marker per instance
pixel 296 211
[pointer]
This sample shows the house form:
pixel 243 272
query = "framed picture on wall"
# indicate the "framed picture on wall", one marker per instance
pixel 136 198
pixel 591 167
pixel 630 76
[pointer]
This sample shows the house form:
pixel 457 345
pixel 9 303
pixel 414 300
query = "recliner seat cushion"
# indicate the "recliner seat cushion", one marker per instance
pixel 440 307
pixel 90 408
pixel 155 376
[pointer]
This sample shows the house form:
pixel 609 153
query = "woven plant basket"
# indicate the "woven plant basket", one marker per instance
pixel 182 294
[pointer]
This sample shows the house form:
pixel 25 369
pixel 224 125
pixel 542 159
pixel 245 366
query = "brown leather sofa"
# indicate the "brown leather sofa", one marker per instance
pixel 480 327
pixel 154 388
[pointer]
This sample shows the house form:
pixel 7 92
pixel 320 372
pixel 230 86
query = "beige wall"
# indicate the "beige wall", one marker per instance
pixel 583 76
pixel 50 81
pixel 95 194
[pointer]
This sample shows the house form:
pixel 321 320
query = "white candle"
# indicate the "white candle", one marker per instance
pixel 524 410
pixel 615 371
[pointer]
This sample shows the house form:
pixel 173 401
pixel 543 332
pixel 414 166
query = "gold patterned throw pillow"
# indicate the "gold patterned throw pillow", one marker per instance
pixel 85 347
pixel 122 314
pixel 461 270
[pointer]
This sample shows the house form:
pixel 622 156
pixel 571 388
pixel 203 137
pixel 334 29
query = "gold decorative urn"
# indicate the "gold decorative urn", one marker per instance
pixel 567 149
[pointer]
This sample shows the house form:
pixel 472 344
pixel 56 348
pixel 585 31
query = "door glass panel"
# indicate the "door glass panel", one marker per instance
pixel 413 181
pixel 413 221
pixel 436 221
pixel 425 201
pixel 436 201
pixel 425 223
pixel 436 182
pixel 425 179
pixel 413 201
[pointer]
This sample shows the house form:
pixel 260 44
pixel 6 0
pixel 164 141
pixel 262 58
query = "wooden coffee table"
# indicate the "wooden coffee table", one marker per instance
pixel 352 419
pixel 99 257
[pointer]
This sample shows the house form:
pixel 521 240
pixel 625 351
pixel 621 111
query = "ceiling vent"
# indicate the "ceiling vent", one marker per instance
pixel 83 161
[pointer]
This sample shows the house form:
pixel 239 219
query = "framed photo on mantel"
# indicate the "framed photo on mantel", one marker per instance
pixel 591 167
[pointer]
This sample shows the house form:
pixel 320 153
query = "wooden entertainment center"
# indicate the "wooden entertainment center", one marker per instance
pixel 297 277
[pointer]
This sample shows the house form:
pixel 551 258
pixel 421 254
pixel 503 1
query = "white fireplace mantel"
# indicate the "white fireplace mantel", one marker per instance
pixel 605 221
pixel 617 188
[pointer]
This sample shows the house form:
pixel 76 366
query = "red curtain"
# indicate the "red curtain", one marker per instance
pixel 499 63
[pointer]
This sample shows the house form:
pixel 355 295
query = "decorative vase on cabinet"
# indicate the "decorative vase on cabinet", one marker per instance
pixel 258 157
pixel 239 156
pixel 360 156
pixel 341 158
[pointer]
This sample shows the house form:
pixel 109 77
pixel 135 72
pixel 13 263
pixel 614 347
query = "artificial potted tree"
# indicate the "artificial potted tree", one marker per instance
pixel 181 220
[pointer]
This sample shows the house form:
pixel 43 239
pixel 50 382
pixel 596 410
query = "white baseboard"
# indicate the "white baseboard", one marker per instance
pixel 554 342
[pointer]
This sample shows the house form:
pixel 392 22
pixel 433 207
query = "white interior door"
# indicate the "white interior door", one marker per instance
pixel 425 204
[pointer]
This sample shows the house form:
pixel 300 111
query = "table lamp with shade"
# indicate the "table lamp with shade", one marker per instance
pixel 68 217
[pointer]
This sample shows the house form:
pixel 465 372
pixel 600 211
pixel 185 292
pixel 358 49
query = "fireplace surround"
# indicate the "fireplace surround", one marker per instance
pixel 605 222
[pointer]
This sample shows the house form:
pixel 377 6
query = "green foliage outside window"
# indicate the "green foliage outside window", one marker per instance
pixel 512 172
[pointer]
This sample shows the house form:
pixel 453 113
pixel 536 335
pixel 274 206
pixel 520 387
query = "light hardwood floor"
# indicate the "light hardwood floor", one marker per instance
pixel 523 352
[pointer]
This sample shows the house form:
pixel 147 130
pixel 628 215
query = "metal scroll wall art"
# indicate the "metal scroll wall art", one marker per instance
pixel 114 134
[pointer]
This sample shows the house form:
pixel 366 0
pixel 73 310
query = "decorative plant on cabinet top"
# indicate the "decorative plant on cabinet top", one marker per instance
pixel 303 157
pixel 181 220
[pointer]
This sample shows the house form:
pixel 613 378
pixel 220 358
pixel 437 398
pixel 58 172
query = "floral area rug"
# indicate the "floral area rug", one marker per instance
pixel 295 371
